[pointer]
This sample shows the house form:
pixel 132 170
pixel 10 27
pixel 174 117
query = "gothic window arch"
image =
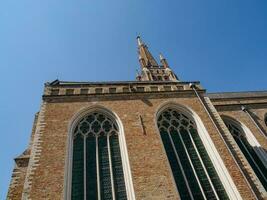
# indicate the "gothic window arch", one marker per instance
pixel 251 149
pixel 193 171
pixel 98 163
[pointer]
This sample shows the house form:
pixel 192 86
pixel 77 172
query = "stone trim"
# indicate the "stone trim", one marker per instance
pixel 238 156
pixel 36 150
pixel 93 89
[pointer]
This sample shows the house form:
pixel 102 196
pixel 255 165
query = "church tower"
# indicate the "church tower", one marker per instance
pixel 155 138
pixel 150 69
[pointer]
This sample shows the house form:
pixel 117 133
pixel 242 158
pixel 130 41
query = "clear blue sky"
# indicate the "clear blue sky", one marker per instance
pixel 222 43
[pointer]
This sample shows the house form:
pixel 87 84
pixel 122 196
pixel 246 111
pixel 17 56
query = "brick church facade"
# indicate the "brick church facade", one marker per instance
pixel 155 138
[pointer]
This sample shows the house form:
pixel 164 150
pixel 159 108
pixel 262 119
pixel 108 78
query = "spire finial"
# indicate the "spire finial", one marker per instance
pixel 139 41
pixel 163 61
pixel 161 56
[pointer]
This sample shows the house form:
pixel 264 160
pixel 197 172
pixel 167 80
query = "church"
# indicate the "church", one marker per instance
pixel 155 138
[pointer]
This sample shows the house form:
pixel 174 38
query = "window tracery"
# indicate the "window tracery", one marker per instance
pixel 248 150
pixel 97 171
pixel 193 171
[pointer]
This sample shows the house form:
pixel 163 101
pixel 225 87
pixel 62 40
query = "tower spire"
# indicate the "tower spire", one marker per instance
pixel 139 41
pixel 151 70
pixel 163 61
pixel 147 59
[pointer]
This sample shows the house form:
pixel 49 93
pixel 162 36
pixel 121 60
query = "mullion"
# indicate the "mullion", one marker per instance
pixel 176 170
pixel 91 172
pixel 253 163
pixel 195 188
pixel 255 157
pixel 119 184
pixel 197 164
pixel 104 169
pixel 77 189
pixel 209 166
pixel 93 158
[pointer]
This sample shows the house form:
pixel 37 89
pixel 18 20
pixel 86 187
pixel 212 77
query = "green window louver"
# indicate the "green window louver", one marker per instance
pixel 193 171
pixel 97 172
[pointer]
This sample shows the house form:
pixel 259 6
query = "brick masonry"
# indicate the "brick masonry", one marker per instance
pixel 43 177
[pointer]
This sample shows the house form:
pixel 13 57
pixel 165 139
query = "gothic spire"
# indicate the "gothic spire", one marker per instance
pixel 151 70
pixel 163 61
pixel 145 57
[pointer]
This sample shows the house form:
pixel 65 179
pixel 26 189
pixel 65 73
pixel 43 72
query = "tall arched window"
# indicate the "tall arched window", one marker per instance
pixel 97 171
pixel 265 119
pixel 253 154
pixel 192 168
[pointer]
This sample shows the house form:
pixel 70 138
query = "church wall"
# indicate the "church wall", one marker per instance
pixel 152 178
pixel 17 182
pixel 257 108
pixel 257 111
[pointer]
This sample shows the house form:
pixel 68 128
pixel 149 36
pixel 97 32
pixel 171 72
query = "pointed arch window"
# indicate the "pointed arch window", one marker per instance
pixel 249 151
pixel 97 170
pixel 192 168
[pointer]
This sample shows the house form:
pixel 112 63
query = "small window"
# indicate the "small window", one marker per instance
pixel 159 78
pixel 154 88
pixel 54 91
pixel 98 90
pixel 167 88
pixel 84 91
pixel 125 89
pixel 166 78
pixel 112 90
pixel 140 89
pixel 69 91
pixel 265 119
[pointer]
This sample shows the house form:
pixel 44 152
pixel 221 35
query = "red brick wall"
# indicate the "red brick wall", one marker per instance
pixel 152 178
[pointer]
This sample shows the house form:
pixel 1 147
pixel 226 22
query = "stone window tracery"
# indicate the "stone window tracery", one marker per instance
pixel 193 171
pixel 248 150
pixel 97 171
